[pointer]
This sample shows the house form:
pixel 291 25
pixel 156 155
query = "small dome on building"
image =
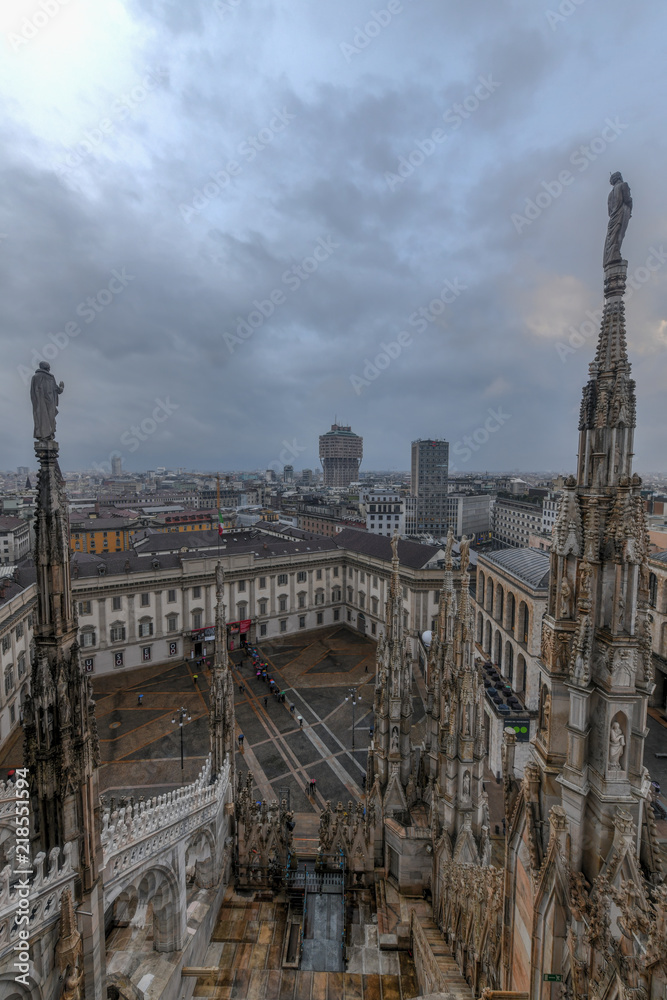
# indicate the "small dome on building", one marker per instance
pixel 426 638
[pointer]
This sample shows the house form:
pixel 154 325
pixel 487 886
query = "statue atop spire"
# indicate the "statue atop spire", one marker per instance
pixel 44 394
pixel 620 209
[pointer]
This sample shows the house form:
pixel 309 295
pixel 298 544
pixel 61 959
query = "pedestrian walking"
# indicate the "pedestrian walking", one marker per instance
pixel 140 698
pixel 312 786
pixel 195 678
pixel 266 702
pixel 241 738
pixel 301 722
pixel 366 669
pixel 291 708
pixel 307 788
pixel 241 689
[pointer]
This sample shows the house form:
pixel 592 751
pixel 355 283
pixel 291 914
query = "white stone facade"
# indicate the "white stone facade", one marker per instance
pixel 385 511
pixel 16 626
pixel 509 606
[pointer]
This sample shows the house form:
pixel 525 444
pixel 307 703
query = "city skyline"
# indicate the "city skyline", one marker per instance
pixel 388 220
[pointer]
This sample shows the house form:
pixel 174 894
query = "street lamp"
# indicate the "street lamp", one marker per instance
pixel 181 716
pixel 352 696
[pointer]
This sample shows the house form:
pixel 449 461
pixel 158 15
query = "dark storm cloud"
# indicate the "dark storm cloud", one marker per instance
pixel 267 257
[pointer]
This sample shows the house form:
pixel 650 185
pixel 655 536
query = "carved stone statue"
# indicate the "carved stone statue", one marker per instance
pixel 466 784
pixel 44 394
pixel 616 747
pixel 394 740
pixel 565 598
pixel 394 545
pixel 620 210
pixel 546 714
pixel 465 553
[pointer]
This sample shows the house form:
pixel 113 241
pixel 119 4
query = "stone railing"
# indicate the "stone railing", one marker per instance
pixel 429 974
pixel 140 830
pixel 47 883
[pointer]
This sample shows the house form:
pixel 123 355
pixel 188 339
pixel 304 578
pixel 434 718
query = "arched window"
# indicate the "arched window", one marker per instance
pixel 117 632
pixel 523 623
pixel 480 589
pixel 263 606
pixel 511 611
pixel 489 596
pixel 500 603
pixel 509 662
pixel 242 611
pixel 653 590
pixel 145 627
pixel 197 617
pixel 498 651
pixel 87 637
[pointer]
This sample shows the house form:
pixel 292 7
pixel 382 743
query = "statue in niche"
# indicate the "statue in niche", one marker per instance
pixel 616 747
pixel 466 785
pixel 565 598
pixel 44 392
pixel 619 206
pixel 394 740
pixel 620 612
pixel 545 717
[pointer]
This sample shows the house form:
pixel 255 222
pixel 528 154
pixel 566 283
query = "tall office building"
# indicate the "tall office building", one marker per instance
pixel 116 465
pixel 341 451
pixel 430 464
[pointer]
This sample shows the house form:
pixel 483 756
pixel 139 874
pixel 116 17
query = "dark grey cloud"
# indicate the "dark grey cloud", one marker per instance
pixel 242 143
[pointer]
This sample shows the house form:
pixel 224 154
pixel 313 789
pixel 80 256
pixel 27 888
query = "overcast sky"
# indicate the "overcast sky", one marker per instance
pixel 251 194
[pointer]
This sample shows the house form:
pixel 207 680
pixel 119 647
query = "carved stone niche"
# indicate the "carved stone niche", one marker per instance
pixel 624 668
pixel 617 747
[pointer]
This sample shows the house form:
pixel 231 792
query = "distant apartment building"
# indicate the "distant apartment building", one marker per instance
pixel 514 520
pixel 288 474
pixel 385 511
pixel 469 514
pixel 429 472
pixel 341 451
pixel 14 539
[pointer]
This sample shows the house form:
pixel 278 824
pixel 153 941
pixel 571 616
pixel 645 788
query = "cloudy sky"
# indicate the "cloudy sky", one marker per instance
pixel 216 216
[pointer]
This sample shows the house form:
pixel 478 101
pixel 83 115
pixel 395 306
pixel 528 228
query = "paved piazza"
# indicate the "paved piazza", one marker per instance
pixel 140 746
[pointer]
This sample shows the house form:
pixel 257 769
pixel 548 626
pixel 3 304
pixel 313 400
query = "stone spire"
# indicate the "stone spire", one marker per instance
pixel 457 754
pixel 221 708
pixel 391 758
pixel 596 644
pixel 61 742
